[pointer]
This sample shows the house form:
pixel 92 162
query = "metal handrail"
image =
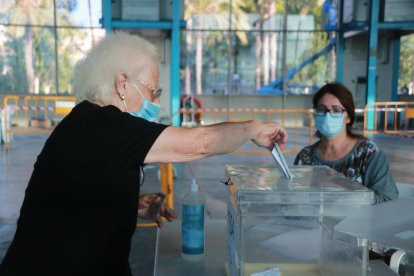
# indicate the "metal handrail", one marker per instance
pixel 45 104
pixel 406 108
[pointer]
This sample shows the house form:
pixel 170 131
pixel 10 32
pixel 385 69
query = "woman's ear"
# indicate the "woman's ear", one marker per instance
pixel 348 120
pixel 120 84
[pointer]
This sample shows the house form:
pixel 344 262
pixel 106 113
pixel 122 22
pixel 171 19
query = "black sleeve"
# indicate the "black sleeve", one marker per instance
pixel 121 136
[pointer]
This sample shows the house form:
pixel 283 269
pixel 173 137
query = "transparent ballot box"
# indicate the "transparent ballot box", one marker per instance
pixel 285 227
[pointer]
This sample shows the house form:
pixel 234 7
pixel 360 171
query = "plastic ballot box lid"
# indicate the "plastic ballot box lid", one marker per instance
pixel 310 185
pixel 390 223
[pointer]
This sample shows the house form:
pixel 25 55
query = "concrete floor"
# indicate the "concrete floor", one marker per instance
pixel 16 164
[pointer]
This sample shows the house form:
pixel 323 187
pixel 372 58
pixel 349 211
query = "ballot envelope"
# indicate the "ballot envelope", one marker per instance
pixel 282 226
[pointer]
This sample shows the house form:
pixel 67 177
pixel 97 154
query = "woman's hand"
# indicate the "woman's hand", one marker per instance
pixel 267 134
pixel 166 212
pixel 151 207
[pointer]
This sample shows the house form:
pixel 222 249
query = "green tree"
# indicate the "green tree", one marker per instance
pixel 217 12
pixel 267 41
pixel 406 71
pixel 27 13
pixel 318 72
pixel 30 34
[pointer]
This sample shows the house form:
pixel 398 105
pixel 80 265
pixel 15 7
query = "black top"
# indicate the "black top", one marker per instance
pixel 80 208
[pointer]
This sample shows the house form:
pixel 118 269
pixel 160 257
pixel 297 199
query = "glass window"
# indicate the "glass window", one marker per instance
pixel 73 45
pixel 205 63
pixel 251 62
pixel 310 62
pixel 79 13
pixel 26 12
pixel 406 70
pixel 207 15
pixel 27 60
pixel 245 55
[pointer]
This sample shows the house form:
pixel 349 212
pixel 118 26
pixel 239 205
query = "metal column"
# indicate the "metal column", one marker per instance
pixel 175 63
pixel 107 15
pixel 372 61
pixel 340 41
pixel 340 44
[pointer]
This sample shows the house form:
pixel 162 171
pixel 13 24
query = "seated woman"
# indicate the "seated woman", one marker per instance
pixel 353 155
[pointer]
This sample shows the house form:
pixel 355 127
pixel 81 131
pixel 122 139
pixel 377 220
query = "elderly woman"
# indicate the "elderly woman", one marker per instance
pixel 80 208
pixel 339 148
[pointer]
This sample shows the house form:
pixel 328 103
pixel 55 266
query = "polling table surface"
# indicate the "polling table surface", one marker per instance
pixel 168 256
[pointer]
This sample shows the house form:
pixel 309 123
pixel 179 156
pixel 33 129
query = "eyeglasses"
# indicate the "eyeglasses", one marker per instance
pixel 156 92
pixel 335 111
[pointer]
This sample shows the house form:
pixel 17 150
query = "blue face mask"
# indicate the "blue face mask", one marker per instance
pixel 329 126
pixel 148 111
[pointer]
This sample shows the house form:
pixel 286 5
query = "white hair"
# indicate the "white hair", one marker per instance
pixel 94 77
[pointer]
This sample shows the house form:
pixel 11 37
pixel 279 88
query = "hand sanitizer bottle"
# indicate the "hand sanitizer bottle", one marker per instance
pixel 192 227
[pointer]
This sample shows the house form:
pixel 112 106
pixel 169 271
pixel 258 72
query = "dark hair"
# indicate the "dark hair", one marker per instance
pixel 345 98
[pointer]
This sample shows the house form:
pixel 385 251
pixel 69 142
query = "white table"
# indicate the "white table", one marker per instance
pixel 168 256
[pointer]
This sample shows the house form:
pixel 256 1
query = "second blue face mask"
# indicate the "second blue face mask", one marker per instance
pixel 148 111
pixel 329 126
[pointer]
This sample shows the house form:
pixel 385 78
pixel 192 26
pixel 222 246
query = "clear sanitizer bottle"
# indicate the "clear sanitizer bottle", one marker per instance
pixel 192 228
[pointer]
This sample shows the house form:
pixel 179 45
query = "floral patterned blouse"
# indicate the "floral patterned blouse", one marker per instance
pixel 366 164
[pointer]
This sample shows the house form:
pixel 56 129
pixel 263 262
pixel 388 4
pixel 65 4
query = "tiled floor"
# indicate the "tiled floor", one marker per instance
pixel 16 164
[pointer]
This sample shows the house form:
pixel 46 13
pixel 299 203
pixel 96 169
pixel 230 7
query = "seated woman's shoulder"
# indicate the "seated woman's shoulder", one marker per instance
pixel 367 144
pixel 307 149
